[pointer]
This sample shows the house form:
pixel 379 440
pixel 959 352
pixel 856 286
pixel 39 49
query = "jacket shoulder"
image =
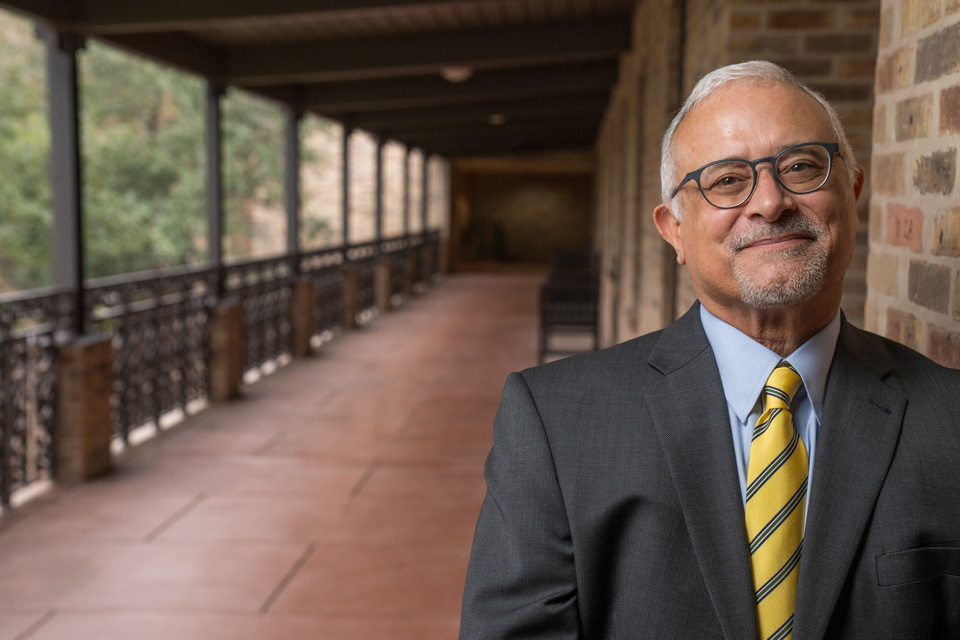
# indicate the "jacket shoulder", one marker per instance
pixel 876 350
pixel 595 367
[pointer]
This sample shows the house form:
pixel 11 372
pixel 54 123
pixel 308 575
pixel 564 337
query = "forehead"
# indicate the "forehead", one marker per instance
pixel 750 121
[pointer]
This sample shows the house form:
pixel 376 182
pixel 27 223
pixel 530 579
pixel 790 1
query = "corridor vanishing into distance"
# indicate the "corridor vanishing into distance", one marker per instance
pixel 336 500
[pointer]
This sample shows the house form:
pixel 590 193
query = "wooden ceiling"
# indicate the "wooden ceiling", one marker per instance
pixel 542 68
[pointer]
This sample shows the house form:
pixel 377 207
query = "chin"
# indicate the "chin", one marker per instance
pixel 784 282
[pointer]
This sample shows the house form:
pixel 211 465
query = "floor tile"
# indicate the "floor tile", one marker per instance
pixel 391 578
pixel 13 625
pixel 122 626
pixel 336 500
pixel 221 575
pixel 259 519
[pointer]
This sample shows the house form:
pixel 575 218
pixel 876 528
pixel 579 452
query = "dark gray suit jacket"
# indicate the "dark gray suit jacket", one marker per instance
pixel 614 511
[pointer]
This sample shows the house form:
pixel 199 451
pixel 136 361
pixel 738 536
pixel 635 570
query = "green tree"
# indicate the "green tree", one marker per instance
pixel 25 201
pixel 253 169
pixel 143 163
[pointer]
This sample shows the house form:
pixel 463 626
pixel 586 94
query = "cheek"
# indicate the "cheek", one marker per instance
pixel 707 253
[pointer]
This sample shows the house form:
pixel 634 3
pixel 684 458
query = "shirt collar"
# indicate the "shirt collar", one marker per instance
pixel 745 364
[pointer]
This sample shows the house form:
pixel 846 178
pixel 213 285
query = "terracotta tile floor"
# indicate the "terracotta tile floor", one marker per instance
pixel 336 500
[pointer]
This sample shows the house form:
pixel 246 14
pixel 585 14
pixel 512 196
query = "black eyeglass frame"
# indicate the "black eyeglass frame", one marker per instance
pixel 831 147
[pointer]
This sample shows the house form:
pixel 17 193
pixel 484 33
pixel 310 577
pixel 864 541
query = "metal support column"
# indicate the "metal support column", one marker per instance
pixel 424 193
pixel 214 148
pixel 345 156
pixel 292 187
pixel 65 167
pixel 406 192
pixel 378 190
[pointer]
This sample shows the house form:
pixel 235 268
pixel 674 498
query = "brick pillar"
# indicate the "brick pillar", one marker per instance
pixel 913 275
pixel 226 350
pixel 303 297
pixel 351 296
pixel 384 284
pixel 86 425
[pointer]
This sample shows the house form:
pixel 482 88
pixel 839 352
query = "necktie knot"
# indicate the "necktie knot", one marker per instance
pixel 781 386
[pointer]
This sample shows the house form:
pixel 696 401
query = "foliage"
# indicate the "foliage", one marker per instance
pixel 143 161
pixel 25 219
pixel 253 162
pixel 143 164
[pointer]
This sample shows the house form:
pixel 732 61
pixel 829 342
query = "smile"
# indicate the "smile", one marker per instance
pixel 778 242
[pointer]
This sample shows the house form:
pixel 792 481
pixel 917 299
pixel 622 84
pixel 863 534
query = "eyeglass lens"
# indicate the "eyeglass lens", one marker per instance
pixel 801 170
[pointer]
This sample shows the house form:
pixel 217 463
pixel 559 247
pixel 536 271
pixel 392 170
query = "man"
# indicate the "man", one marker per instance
pixel 760 468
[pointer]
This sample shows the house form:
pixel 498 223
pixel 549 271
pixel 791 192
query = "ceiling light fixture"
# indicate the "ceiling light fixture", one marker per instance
pixel 456 73
pixel 496 119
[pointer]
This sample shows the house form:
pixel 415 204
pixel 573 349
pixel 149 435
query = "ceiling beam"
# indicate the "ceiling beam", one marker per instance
pixel 475 147
pixel 55 12
pixel 418 54
pixel 399 120
pixel 560 128
pixel 133 16
pixel 178 50
pixel 576 163
pixel 342 98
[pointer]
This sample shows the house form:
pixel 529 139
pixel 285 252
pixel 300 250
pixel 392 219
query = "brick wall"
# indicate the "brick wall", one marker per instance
pixel 913 280
pixel 831 44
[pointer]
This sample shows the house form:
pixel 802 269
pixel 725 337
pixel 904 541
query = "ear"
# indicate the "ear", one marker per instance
pixel 858 181
pixel 669 228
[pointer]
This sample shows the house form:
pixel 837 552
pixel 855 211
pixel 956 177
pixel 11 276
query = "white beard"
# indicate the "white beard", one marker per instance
pixel 796 279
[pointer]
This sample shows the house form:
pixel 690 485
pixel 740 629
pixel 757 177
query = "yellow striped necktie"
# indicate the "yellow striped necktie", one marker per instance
pixel 776 492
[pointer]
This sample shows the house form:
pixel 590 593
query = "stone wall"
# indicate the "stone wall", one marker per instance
pixel 519 211
pixel 913 279
pixel 637 286
pixel 831 44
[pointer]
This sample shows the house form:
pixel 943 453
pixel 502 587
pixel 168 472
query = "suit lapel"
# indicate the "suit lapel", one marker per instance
pixel 689 411
pixel 858 435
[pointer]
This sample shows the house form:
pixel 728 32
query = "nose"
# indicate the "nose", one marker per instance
pixel 770 199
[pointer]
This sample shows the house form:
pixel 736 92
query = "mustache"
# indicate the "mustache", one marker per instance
pixel 784 225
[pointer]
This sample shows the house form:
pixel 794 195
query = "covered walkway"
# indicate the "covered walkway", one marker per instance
pixel 336 499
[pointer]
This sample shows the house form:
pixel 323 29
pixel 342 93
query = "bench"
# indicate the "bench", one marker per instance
pixel 569 302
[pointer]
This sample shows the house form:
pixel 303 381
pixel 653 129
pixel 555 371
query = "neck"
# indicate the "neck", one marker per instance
pixel 782 330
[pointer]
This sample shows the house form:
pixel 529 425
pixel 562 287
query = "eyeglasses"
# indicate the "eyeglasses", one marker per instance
pixel 802 168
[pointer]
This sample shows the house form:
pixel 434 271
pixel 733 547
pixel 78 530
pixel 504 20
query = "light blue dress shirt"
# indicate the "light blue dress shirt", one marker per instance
pixel 745 366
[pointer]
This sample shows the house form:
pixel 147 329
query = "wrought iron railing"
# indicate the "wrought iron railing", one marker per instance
pixel 396 251
pixel 29 325
pixel 158 327
pixel 263 288
pixel 363 258
pixel 158 324
pixel 323 267
pixel 417 245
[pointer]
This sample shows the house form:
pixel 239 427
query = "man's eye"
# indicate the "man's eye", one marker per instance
pixel 727 182
pixel 800 167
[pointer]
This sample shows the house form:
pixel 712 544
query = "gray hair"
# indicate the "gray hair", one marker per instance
pixel 758 72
